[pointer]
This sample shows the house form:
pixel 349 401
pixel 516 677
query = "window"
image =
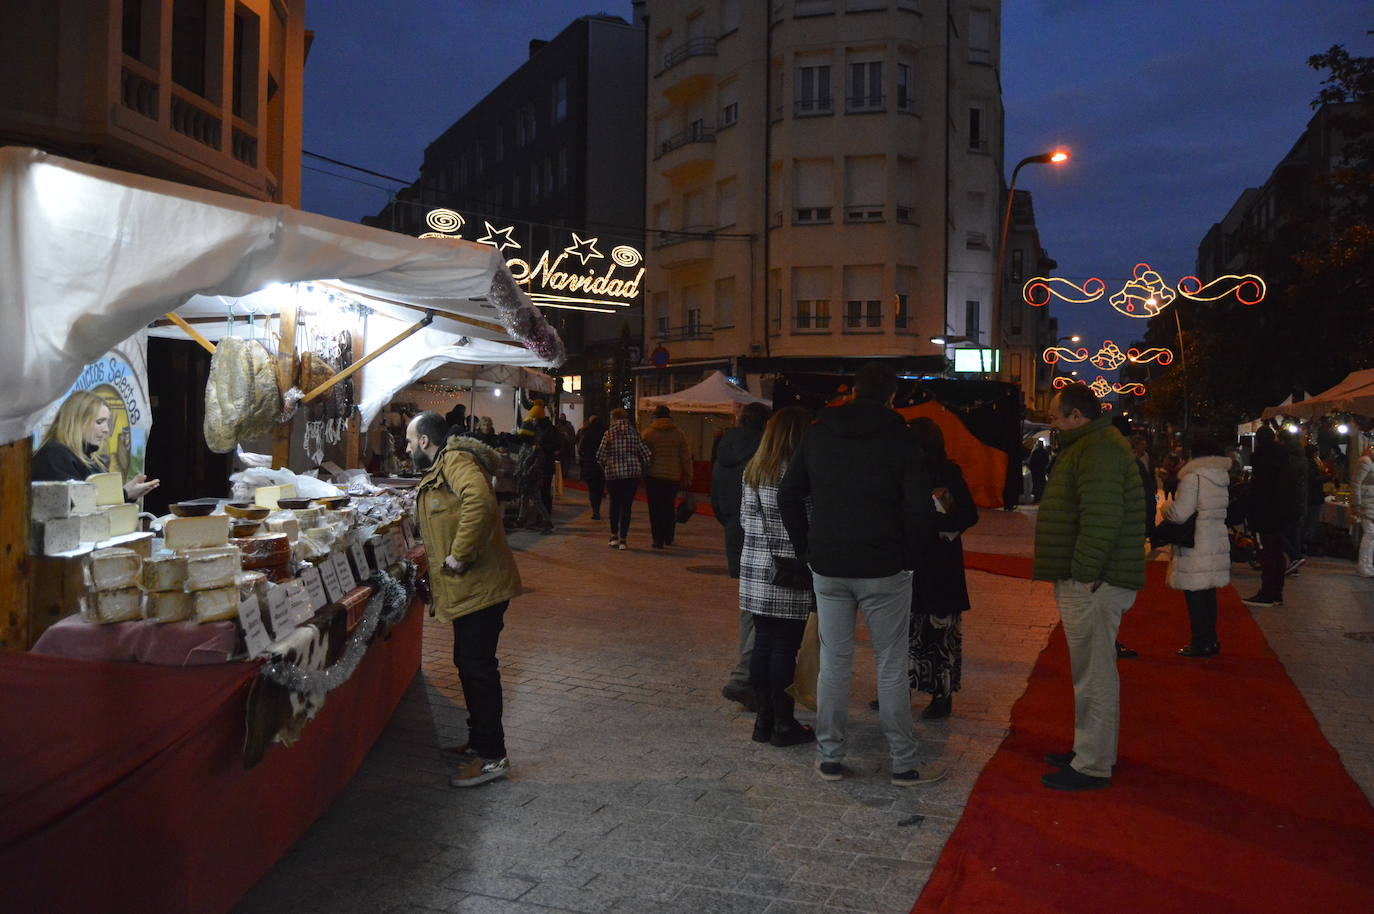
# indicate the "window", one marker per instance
pixel 1015 367
pixel 976 205
pixel 515 191
pixel 693 323
pixel 813 90
pixel 529 123
pixel 811 293
pixel 979 36
pixel 563 167
pixel 729 16
pixel 973 311
pixel 725 302
pixel 191 30
pixel 520 128
pixel 813 190
pixel 477 164
pixel 729 104
pixel 694 210
pixel 660 312
pixel 245 89
pixel 498 145
pixel 863 188
pixel 902 317
pixel 865 86
pixel 863 308
pixel 692 297
pixel 977 137
pixel 139 33
pixel 549 186
pixel 1018 265
pixel 661 213
pixel 906 190
pixel 726 197
pixel 560 99
pixel 904 87
pixel 977 241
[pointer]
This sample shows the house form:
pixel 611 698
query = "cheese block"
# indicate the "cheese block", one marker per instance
pixel 109 488
pixel 105 606
pixel 207 569
pixel 113 569
pixel 168 606
pixel 182 533
pixel 123 518
pixel 264 550
pixel 215 605
pixel 267 495
pixel 164 572
pixel 48 500
pixel 83 497
pixel 253 583
pixel 284 523
pixel 142 543
pixel 309 517
pixel 95 526
pixel 57 534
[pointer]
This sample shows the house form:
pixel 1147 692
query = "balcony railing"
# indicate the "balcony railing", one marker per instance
pixel 688 332
pixel 189 119
pixel 692 233
pixel 697 132
pixel 813 107
pixel 244 147
pixel 138 93
pixel 695 47
pixel 856 103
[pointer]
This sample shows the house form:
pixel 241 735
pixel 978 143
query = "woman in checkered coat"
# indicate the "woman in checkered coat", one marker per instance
pixel 623 456
pixel 780 613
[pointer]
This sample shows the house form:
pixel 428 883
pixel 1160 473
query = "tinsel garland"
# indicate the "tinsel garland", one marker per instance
pixel 522 320
pixel 389 601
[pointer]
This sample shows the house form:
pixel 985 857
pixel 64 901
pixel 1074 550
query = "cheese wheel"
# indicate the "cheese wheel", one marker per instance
pixel 105 606
pixel 285 523
pixel 113 569
pixel 209 569
pixel 264 550
pixel 215 605
pixel 83 496
pixel 164 572
pixel 167 606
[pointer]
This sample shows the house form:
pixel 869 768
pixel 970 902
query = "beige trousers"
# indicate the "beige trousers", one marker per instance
pixel 1091 621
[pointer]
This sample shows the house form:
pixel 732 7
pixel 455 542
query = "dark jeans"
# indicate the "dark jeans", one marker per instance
pixel 546 492
pixel 622 493
pixel 474 653
pixel 1272 565
pixel 662 498
pixel 1312 526
pixel 1202 616
pixel 596 487
pixel 773 664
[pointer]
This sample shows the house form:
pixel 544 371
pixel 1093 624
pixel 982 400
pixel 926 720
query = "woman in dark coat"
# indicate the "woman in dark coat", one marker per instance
pixel 588 442
pixel 939 591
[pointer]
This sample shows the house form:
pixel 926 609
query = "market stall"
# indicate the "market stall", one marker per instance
pixel 702 412
pixel 265 636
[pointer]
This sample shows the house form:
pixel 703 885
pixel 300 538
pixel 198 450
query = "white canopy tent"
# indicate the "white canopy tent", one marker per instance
pixel 1355 394
pixel 92 256
pixel 715 394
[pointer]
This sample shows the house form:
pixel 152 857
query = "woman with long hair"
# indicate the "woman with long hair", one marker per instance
pixel 939 591
pixel 623 455
pixel 780 612
pixel 1198 570
pixel 70 446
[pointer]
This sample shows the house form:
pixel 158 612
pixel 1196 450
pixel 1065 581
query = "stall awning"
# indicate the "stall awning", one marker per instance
pixel 91 255
pixel 713 395
pixel 1355 395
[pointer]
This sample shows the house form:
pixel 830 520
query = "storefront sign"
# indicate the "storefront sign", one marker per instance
pixel 255 636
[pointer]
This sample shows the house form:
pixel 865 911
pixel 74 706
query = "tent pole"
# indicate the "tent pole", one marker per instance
pixel 286 372
pixel 474 321
pixel 415 328
pixel 192 332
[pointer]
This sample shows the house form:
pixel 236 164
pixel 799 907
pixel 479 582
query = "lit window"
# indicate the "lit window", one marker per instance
pixel 560 99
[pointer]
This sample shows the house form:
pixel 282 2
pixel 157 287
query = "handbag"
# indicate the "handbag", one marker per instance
pixel 686 508
pixel 790 573
pixel 1171 533
pixel 803 687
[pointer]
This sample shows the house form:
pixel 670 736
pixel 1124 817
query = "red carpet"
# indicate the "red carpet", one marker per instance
pixel 1226 798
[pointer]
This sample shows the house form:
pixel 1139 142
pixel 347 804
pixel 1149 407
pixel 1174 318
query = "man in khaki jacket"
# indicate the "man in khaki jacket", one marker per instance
pixel 472 583
pixel 669 470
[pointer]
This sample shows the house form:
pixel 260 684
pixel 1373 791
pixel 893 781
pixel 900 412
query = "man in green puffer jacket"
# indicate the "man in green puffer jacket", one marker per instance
pixel 1090 541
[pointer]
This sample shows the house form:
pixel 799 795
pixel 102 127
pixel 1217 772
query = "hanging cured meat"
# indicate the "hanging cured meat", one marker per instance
pixel 242 399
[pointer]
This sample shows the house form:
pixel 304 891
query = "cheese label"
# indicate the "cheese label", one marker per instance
pixel 330 575
pixel 299 603
pixel 279 608
pixel 314 588
pixel 343 572
pixel 360 558
pixel 255 636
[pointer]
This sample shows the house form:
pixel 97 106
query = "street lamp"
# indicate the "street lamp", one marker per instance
pixel 1054 157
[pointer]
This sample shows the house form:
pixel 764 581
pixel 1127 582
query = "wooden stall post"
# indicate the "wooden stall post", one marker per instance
pixel 14 544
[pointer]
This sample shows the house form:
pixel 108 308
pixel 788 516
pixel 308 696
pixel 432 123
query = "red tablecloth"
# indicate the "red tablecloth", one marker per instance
pixel 123 786
pixel 172 644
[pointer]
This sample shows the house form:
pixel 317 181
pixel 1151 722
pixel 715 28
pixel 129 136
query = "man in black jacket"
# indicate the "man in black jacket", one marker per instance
pixel 871 509
pixel 1266 516
pixel 733 451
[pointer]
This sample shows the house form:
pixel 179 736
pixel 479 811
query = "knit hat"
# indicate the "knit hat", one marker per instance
pixel 537 411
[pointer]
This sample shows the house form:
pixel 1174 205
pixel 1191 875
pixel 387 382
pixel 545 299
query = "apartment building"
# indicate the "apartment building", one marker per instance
pixel 204 92
pixel 1026 330
pixel 823 184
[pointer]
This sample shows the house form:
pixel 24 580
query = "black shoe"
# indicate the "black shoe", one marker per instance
pixel 657 545
pixel 596 517
pixel 1260 599
pixel 1293 567
pixel 763 729
pixel 1125 653
pixel 873 705
pixel 742 694
pixel 938 708
pixel 1069 779
pixel 793 734
pixel 1059 759
pixel 830 771
pixel 1205 650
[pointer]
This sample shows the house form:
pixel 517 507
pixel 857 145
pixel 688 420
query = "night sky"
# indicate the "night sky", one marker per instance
pixel 1170 107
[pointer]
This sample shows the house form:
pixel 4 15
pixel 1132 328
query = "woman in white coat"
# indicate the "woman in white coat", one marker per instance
pixel 1198 570
pixel 1363 491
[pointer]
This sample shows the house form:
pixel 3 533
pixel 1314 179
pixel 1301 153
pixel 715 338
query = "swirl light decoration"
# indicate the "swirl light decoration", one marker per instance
pixel 444 222
pixel 1249 289
pixel 1109 357
pixel 1156 354
pixel 1144 295
pixel 625 256
pixel 1038 290
pixel 1131 388
pixel 1060 354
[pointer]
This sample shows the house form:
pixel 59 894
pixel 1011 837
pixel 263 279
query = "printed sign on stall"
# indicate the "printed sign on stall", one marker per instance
pixel 314 588
pixel 255 637
pixel 299 602
pixel 279 609
pixel 332 585
pixel 342 572
pixel 360 558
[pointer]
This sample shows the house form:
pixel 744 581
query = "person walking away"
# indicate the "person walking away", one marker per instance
pixel 780 611
pixel 1090 541
pixel 1293 489
pixel 550 443
pixel 670 469
pixel 734 449
pixel 1362 488
pixel 872 509
pixel 623 457
pixel 529 479
pixel 1200 569
pixel 473 577
pixel 587 442
pixel 939 596
pixel 1266 517
pixel 1039 464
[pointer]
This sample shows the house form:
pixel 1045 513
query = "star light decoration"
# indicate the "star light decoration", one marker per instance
pixel 583 248
pixel 498 238
pixel 1146 293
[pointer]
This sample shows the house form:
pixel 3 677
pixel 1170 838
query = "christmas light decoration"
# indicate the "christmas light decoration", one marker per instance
pixel 1130 388
pixel 1156 354
pixel 1060 354
pixel 1249 289
pixel 1040 289
pixel 1109 357
pixel 1144 295
pixel 493 234
pixel 444 222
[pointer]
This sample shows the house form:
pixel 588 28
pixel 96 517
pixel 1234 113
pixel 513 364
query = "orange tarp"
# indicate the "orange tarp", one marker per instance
pixel 984 467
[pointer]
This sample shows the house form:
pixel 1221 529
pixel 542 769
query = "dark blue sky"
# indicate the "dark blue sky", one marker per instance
pixel 1171 108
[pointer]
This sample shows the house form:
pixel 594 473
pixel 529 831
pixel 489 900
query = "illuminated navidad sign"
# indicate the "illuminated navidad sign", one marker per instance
pixel 567 280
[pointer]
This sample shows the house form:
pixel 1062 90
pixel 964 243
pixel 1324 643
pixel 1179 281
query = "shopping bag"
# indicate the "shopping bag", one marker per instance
pixel 686 508
pixel 803 687
pixel 558 478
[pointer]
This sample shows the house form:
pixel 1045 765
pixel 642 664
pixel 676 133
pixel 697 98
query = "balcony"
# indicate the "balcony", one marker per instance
pixel 689 155
pixel 688 246
pixel 687 72
pixel 863 104
pixel 691 331
pixel 813 107
pixel 696 132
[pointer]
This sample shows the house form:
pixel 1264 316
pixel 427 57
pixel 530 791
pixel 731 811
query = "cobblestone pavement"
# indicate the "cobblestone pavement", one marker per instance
pixel 634 784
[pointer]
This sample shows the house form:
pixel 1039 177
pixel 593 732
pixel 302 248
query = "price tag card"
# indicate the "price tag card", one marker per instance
pixel 279 608
pixel 381 547
pixel 331 579
pixel 360 558
pixel 255 636
pixel 343 573
pixel 298 602
pixel 314 588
